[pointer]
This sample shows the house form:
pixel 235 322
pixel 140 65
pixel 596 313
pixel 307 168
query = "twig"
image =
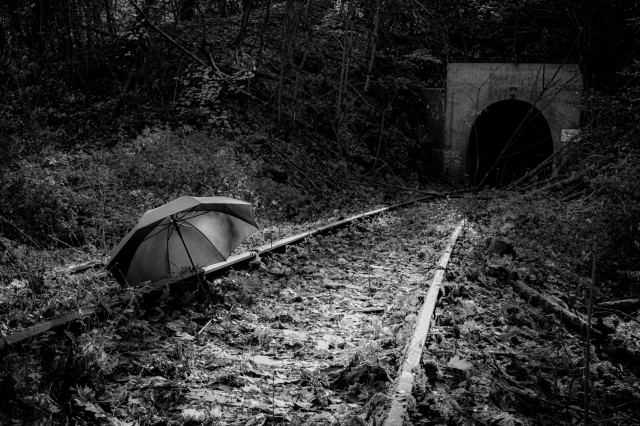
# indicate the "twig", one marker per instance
pixel 84 266
pixel 625 305
pixel 20 231
pixel 587 346
pixel 544 163
pixel 575 321
pixel 616 312
pixel 166 36
pixel 293 165
pixel 204 327
pixel 69 246
pixel 562 183
pixel 273 396
pixel 546 401
pixel 575 195
pixel 190 53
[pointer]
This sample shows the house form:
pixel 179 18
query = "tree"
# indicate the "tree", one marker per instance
pixel 242 32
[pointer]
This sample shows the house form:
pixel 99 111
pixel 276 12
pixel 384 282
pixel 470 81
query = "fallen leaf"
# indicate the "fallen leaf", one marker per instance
pixel 459 363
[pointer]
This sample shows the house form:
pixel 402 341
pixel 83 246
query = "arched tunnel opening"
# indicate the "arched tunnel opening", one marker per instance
pixel 508 139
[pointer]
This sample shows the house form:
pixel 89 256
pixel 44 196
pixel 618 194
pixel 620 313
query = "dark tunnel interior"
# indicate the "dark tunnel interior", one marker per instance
pixel 511 134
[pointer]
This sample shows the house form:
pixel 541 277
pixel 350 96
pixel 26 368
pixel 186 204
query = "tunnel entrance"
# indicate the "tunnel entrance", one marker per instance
pixel 514 128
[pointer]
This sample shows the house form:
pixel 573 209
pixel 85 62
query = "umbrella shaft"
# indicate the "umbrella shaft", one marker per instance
pixel 175 223
pixel 195 271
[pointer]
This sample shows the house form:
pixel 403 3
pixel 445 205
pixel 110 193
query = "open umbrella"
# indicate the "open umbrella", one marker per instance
pixel 185 233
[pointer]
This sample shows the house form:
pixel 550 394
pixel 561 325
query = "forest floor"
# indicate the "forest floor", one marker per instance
pixel 316 335
pixel 496 356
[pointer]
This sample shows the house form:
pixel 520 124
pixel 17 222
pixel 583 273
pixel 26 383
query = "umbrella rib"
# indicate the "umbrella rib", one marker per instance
pixel 186 212
pixel 183 213
pixel 167 225
pixel 218 211
pixel 159 230
pixel 181 218
pixel 177 228
pixel 164 227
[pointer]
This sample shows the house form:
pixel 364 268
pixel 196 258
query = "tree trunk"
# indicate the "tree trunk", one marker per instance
pixel 265 23
pixel 347 43
pixel 187 10
pixel 244 23
pixel 374 44
pixel 287 36
pixel 296 89
pixel 3 37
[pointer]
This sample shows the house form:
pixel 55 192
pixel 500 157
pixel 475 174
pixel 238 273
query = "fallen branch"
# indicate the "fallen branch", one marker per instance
pixel 573 321
pixel 189 53
pixel 562 183
pixel 626 305
pixel 528 395
pixel 299 169
pixel 603 312
pixel 587 342
pixel 75 269
pixel 167 36
pixel 615 348
pixel 456 193
pixel 547 161
pixel 578 193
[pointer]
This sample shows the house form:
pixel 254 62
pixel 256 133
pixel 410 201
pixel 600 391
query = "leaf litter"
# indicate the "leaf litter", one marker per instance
pixel 311 336
pixel 493 358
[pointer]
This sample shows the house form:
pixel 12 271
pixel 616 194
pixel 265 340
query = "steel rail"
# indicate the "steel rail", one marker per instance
pixel 411 360
pixel 86 317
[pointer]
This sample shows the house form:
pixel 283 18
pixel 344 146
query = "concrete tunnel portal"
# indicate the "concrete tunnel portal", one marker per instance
pixel 508 139
pixel 527 110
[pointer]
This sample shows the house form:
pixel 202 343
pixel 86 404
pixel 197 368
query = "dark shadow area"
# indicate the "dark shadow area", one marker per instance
pixel 513 124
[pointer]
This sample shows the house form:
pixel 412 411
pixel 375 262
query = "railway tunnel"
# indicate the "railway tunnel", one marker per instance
pixel 508 138
pixel 503 119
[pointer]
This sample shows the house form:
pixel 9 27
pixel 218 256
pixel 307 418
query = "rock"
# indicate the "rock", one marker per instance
pixel 498 247
pixel 36 284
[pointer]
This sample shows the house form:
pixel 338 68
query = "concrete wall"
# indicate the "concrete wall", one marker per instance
pixel 554 89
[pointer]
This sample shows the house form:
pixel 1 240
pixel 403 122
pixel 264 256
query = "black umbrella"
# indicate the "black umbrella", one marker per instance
pixel 188 232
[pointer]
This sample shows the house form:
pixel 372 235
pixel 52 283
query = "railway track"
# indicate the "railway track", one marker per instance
pixel 324 314
pixel 183 285
pixel 361 322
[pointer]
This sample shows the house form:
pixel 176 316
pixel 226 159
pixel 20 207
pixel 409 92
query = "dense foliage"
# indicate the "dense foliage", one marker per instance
pixel 305 108
pixel 298 96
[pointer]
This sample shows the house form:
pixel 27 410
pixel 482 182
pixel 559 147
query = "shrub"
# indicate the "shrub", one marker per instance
pixel 38 199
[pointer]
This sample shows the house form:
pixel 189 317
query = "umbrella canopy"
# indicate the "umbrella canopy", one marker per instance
pixel 185 233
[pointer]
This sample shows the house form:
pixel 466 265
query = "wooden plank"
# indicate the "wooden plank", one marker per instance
pixel 411 361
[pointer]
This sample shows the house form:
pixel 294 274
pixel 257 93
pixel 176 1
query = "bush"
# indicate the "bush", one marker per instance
pixel 97 198
pixel 37 198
